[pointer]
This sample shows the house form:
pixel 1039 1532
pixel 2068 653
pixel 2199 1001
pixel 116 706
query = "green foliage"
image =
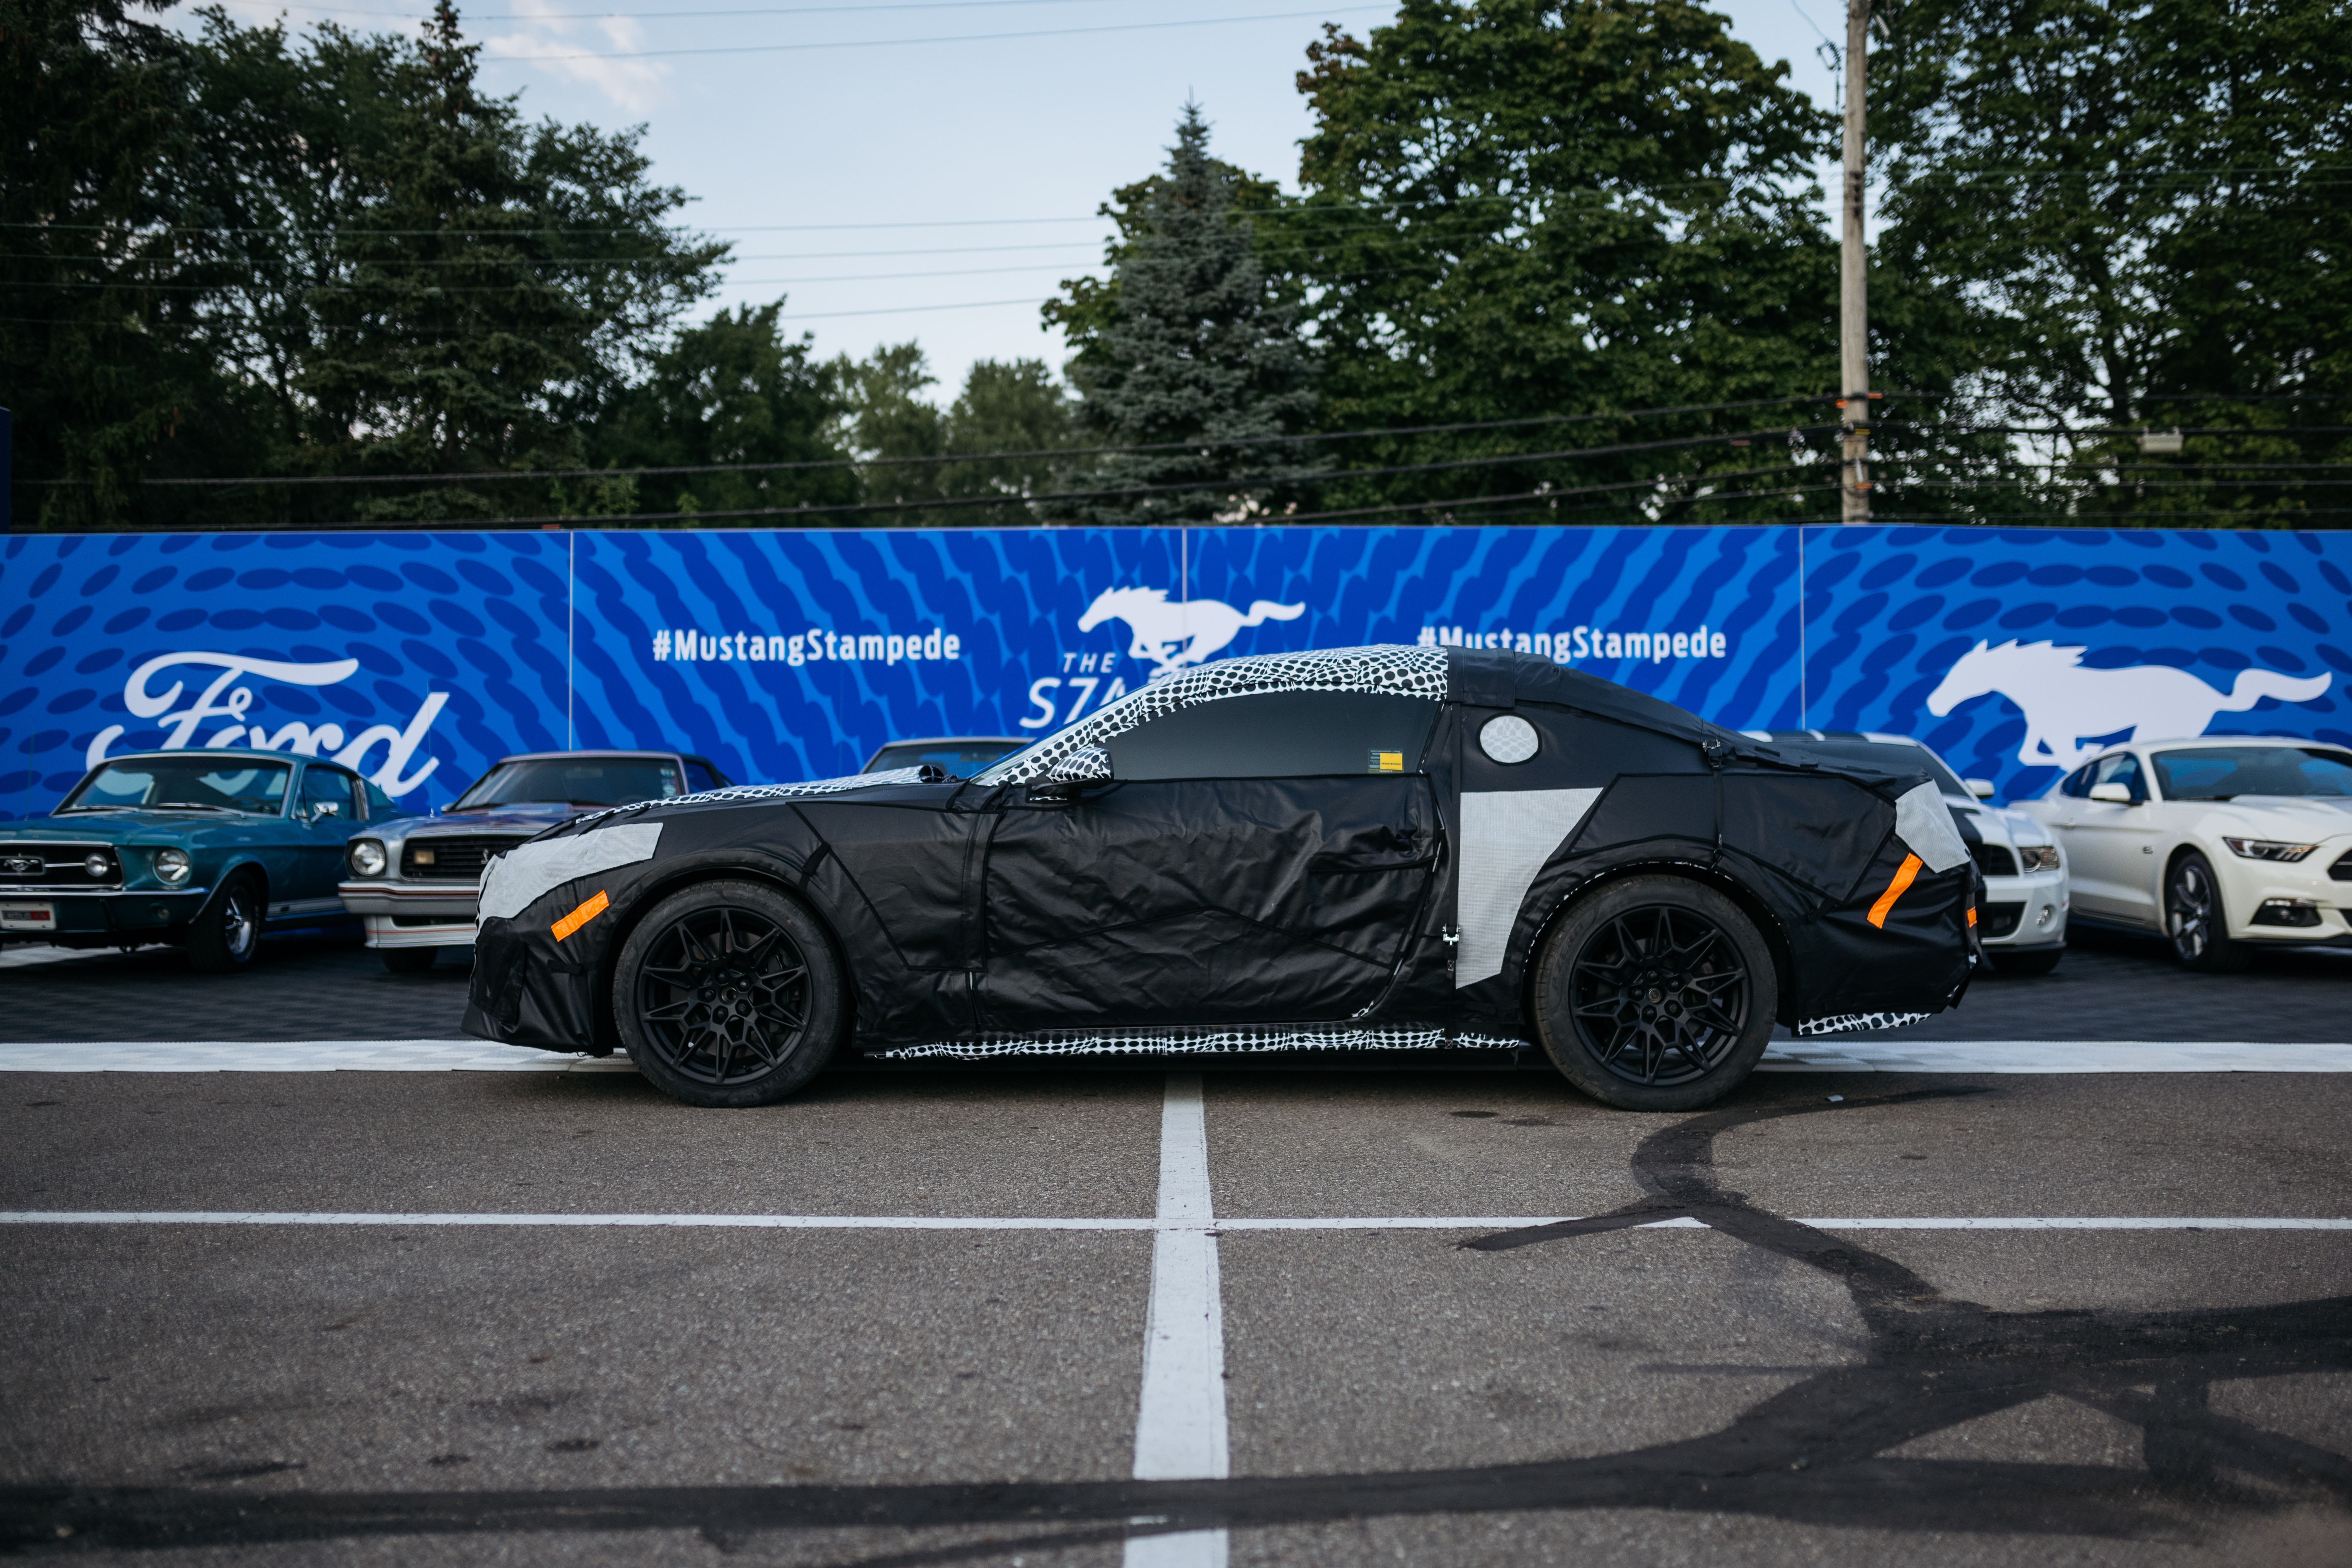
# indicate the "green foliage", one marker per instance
pixel 1523 208
pixel 2128 213
pixel 732 390
pixel 1191 343
pixel 908 443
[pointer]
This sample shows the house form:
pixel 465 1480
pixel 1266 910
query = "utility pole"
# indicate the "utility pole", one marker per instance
pixel 1853 298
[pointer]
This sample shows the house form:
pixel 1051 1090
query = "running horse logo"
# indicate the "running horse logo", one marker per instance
pixel 2065 702
pixel 1173 635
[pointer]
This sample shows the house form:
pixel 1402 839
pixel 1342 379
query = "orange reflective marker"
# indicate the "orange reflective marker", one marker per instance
pixel 1972 915
pixel 600 903
pixel 1903 875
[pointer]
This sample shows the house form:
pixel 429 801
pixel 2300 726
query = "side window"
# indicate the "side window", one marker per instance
pixel 2122 769
pixel 379 805
pixel 2078 783
pixel 700 776
pixel 329 793
pixel 1279 734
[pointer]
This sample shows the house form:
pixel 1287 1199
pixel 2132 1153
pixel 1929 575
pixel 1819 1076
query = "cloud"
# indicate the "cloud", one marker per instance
pixel 634 85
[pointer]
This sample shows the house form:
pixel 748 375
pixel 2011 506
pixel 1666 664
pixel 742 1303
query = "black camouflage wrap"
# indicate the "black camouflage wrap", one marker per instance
pixel 1205 915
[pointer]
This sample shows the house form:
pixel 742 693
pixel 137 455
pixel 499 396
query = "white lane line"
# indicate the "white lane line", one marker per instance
pixel 294 1056
pixel 1892 1053
pixel 1179 1421
pixel 1165 1227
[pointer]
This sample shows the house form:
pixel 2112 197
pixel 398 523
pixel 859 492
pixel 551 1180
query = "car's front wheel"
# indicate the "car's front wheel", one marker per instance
pixel 222 937
pixel 728 994
pixel 1655 993
pixel 2195 921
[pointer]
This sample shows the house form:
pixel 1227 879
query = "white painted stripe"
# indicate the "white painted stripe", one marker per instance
pixel 1180 1423
pixel 1213 1324
pixel 294 1056
pixel 1895 1053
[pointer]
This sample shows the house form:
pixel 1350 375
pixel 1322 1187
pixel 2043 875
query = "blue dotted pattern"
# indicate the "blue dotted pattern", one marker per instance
pixel 541 638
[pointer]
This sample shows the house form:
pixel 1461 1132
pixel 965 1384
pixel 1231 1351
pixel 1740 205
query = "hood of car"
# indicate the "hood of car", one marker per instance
pixel 140 828
pixel 525 819
pixel 2286 815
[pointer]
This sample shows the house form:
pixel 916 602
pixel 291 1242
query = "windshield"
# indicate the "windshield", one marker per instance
pixel 2222 773
pixel 193 783
pixel 963 758
pixel 1890 756
pixel 1005 768
pixel 574 781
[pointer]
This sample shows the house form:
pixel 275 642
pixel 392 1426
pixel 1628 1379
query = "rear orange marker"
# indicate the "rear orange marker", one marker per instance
pixel 1903 875
pixel 600 903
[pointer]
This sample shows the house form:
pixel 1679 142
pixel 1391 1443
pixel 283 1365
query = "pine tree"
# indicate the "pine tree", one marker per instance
pixel 1200 347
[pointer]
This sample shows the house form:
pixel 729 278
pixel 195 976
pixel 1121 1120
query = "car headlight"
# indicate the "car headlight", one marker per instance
pixel 2038 856
pixel 2268 849
pixel 367 858
pixel 172 866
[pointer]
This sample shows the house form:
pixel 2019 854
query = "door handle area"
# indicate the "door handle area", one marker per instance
pixel 1400 852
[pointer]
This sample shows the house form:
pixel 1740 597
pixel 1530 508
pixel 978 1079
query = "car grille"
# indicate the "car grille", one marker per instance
pixel 1996 921
pixel 56 866
pixel 1994 859
pixel 2342 870
pixel 454 859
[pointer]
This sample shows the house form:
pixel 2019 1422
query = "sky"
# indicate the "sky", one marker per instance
pixel 931 171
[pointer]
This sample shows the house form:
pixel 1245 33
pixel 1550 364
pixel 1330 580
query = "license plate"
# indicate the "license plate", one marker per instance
pixel 28 917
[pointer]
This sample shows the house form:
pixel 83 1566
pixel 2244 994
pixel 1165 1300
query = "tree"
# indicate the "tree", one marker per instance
pixel 1523 209
pixel 731 390
pixel 1196 344
pixel 97 359
pixel 911 445
pixel 2133 214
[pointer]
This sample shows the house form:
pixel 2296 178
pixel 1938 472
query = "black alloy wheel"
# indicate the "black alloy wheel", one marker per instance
pixel 1657 993
pixel 2195 921
pixel 225 933
pixel 728 994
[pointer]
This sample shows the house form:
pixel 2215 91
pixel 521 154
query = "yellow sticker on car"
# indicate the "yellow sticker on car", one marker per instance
pixel 580 916
pixel 1385 763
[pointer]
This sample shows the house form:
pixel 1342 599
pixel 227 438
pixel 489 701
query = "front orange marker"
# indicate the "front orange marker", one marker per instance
pixel 1903 875
pixel 600 903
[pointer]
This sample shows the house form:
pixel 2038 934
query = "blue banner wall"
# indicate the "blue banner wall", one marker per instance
pixel 421 657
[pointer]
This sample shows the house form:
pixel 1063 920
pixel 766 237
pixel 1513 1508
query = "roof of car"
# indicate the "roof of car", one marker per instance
pixel 2194 741
pixel 599 752
pixel 958 741
pixel 216 751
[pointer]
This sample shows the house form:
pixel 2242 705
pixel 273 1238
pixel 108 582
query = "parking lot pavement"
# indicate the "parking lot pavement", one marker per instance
pixel 941 1317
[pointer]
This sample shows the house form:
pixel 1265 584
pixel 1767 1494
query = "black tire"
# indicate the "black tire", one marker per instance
pixel 1655 993
pixel 2195 922
pixel 728 994
pixel 227 932
pixel 408 959
pixel 2026 964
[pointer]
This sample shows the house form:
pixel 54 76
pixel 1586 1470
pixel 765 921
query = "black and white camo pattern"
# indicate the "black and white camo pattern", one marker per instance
pixel 760 792
pixel 1401 671
pixel 1847 1022
pixel 1223 1042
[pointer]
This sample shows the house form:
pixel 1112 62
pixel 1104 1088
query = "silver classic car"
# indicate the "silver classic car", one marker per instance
pixel 415 887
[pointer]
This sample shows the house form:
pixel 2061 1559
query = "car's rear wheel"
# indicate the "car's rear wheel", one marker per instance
pixel 225 933
pixel 408 959
pixel 2195 921
pixel 2027 963
pixel 728 994
pixel 1655 993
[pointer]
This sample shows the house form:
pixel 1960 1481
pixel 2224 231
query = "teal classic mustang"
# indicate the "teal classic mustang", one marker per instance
pixel 205 849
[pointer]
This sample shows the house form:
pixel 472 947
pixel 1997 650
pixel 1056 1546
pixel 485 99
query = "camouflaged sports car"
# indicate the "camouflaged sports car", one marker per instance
pixel 1366 850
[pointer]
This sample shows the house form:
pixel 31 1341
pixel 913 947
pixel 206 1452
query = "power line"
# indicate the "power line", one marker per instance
pixel 1052 452
pixel 958 39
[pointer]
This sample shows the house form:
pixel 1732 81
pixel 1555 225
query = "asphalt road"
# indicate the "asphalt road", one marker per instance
pixel 1753 1380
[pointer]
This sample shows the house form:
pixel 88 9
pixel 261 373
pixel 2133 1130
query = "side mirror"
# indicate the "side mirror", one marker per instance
pixel 2113 794
pixel 1086 768
pixel 1980 788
